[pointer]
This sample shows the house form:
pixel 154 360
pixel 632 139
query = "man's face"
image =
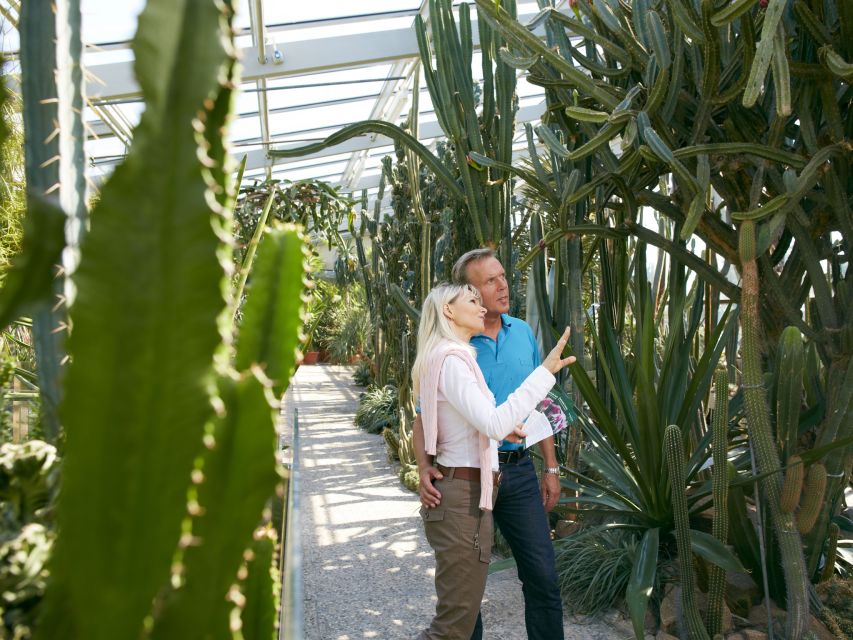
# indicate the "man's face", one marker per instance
pixel 488 276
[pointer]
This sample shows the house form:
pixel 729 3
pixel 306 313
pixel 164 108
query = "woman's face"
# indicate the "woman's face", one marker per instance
pixel 466 315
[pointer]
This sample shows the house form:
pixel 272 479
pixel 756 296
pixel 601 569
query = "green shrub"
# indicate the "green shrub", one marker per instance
pixel 377 409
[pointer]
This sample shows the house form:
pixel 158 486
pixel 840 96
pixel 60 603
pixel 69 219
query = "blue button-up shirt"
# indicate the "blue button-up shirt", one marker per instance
pixel 507 361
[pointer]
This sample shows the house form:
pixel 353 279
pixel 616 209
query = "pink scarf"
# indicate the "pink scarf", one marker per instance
pixel 429 411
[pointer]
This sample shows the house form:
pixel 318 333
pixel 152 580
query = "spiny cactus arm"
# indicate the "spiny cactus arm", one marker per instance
pixel 790 544
pixel 764 52
pixel 523 39
pixel 386 129
pixel 789 389
pixel 813 494
pixel 259 610
pixel 720 489
pixel 674 454
pixel 792 485
pixel 234 480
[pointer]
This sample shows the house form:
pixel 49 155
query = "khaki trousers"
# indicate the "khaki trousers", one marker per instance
pixel 461 536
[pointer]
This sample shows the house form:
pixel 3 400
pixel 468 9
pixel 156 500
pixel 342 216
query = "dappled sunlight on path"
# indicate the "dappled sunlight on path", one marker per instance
pixel 368 570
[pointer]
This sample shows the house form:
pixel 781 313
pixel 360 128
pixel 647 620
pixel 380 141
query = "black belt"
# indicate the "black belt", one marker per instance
pixel 513 456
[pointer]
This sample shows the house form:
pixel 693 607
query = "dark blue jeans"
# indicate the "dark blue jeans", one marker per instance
pixel 520 516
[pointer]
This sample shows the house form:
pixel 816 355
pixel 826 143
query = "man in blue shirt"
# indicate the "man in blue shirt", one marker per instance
pixel 507 352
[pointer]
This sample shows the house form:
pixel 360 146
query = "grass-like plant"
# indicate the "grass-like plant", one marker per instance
pixel 594 567
pixel 377 409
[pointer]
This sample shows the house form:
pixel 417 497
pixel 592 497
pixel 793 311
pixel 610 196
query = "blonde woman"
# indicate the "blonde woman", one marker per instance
pixel 461 428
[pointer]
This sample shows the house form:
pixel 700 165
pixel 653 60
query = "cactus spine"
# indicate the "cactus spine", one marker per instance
pixel 720 488
pixel 812 498
pixel 675 461
pixel 392 444
pixel 793 485
pixel 761 437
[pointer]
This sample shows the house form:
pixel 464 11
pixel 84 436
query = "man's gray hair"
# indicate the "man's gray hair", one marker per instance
pixel 460 269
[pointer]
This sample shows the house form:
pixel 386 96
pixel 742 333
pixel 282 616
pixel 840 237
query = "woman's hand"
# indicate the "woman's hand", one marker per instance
pixel 553 362
pixel 517 436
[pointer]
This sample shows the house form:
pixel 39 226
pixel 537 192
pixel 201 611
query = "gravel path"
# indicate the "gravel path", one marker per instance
pixel 367 568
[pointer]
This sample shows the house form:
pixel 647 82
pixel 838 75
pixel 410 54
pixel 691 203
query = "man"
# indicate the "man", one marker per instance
pixel 507 352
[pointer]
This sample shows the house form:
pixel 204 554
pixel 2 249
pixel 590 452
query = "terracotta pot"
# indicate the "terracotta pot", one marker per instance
pixel 310 357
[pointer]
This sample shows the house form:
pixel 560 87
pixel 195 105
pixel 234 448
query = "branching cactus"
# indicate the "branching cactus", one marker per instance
pixel 674 451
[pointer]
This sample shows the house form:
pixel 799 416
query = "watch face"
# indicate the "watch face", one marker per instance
pixel 559 408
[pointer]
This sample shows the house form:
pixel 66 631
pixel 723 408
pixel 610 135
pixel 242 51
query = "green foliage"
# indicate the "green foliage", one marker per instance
pixel 318 207
pixel 352 327
pixel 30 279
pixel 377 409
pixel 12 201
pixel 594 567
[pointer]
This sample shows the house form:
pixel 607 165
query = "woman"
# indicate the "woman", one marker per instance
pixel 461 429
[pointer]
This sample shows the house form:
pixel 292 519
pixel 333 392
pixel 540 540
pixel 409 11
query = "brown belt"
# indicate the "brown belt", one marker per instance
pixel 465 473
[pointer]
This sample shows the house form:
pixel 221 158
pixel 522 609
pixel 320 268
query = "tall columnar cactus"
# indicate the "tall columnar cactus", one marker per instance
pixel 674 452
pixel 761 438
pixel 720 490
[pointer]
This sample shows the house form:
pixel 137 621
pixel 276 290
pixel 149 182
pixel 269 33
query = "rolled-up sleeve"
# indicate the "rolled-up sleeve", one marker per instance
pixel 459 387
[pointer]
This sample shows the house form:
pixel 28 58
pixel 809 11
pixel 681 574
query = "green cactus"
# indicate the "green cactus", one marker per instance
pixel 720 490
pixel 761 438
pixel 674 452
pixel 814 490
pixel 260 608
pixel 792 486
pixel 790 357
pixel 392 444
pixel 831 552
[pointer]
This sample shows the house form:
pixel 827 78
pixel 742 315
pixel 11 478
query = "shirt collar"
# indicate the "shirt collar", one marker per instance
pixel 505 322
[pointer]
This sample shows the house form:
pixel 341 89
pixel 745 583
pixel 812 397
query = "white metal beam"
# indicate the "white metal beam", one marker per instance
pixel 300 57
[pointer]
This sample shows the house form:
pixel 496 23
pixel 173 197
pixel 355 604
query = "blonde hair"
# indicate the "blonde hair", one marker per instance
pixel 435 327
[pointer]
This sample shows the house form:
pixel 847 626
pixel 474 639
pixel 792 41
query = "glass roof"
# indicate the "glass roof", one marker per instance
pixel 342 62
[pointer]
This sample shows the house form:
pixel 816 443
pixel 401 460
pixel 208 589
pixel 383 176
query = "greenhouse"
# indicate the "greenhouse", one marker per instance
pixel 426 319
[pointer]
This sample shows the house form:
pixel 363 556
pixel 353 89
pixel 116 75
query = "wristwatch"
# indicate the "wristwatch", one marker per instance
pixel 554 470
